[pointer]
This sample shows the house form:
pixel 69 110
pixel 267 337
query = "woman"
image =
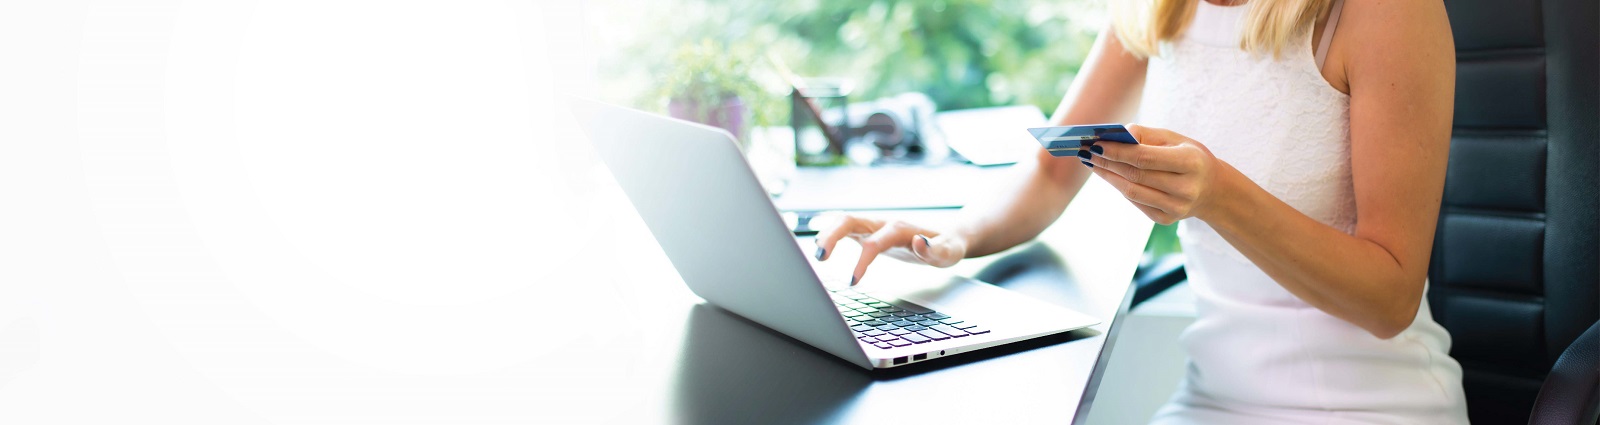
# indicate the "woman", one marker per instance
pixel 1302 145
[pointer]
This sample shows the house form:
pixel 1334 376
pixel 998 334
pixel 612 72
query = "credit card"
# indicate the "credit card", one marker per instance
pixel 1068 140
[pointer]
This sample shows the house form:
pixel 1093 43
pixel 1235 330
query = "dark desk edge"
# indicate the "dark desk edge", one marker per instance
pixel 1100 362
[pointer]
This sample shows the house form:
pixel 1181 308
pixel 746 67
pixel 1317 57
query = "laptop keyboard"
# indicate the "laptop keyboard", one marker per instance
pixel 890 323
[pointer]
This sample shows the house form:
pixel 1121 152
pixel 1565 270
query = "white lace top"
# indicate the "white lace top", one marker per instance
pixel 1258 353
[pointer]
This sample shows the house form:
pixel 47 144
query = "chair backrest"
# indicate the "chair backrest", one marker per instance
pixel 1516 268
pixel 1571 394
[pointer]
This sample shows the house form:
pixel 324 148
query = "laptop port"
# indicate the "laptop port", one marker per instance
pixel 900 360
pixel 920 357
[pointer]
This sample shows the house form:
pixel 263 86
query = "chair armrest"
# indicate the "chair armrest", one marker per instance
pixel 1153 278
pixel 1571 394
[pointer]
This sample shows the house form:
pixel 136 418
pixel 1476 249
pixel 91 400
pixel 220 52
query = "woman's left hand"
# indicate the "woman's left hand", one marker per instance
pixel 1168 176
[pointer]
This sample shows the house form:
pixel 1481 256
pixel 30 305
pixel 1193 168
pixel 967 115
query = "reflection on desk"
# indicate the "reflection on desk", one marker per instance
pixel 733 371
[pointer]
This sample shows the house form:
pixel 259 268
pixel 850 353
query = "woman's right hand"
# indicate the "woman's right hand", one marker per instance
pixel 900 240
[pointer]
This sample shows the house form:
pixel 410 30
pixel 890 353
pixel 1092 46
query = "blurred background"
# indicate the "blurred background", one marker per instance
pixel 961 53
pixel 728 62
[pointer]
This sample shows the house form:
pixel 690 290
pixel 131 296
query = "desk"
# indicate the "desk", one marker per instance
pixel 217 311
pixel 699 364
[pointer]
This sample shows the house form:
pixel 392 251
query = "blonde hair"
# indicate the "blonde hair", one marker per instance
pixel 1141 25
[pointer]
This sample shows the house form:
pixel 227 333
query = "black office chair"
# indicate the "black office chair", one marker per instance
pixel 1571 394
pixel 1515 275
pixel 1516 270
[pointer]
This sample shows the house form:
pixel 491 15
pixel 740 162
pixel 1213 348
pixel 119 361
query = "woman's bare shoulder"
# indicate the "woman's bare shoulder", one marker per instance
pixel 1379 40
pixel 1380 29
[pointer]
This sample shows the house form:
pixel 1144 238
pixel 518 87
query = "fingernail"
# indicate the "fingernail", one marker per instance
pixel 820 252
pixel 925 241
pixel 1083 154
pixel 1097 149
pixel 1087 163
pixel 853 280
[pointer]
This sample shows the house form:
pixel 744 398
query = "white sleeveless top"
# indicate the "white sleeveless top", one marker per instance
pixel 1258 354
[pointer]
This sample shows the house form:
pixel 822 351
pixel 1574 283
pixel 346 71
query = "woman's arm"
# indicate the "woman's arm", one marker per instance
pixel 1401 100
pixel 1401 103
pixel 1105 90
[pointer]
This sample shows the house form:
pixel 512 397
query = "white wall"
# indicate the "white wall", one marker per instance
pixel 237 212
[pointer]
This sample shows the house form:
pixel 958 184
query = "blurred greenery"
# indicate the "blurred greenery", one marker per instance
pixel 961 53
pixel 703 75
pixel 706 67
pixel 1163 241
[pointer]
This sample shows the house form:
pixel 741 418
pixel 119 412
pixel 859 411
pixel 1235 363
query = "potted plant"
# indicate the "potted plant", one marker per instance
pixel 706 82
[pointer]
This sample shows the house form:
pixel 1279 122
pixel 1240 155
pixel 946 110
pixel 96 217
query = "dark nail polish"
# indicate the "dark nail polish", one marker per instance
pixel 820 253
pixel 1083 154
pixel 1087 163
pixel 853 280
pixel 925 241
pixel 1097 149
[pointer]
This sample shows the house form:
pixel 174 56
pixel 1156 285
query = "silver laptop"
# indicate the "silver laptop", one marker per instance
pixel 691 185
